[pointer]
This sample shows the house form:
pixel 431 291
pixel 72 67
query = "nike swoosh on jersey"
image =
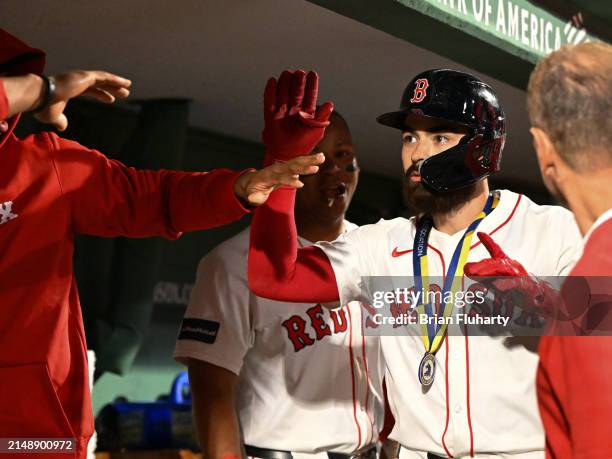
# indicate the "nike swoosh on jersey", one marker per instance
pixel 397 253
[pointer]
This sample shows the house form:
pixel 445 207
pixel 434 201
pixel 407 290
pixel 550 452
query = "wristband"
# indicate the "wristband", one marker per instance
pixel 49 93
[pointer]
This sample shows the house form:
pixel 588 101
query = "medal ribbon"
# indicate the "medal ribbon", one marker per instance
pixel 432 333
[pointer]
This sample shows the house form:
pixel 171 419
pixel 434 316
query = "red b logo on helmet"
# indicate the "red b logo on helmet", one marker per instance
pixel 420 90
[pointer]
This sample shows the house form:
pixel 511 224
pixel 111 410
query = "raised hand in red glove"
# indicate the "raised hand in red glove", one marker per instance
pixel 508 276
pixel 293 123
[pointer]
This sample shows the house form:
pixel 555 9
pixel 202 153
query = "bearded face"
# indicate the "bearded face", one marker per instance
pixel 421 199
pixel 422 138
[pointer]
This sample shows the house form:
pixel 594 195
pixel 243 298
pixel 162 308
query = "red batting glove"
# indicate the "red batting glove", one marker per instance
pixel 506 275
pixel 293 124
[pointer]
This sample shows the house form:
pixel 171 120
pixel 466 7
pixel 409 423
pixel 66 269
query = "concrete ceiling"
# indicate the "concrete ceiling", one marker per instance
pixel 220 53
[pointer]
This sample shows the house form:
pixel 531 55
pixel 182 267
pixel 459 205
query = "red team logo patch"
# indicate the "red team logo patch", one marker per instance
pixel 420 90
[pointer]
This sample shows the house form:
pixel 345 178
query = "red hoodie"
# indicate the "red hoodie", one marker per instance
pixel 50 190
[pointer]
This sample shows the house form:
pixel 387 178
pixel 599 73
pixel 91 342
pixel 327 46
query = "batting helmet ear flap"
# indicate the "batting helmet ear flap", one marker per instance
pixel 462 99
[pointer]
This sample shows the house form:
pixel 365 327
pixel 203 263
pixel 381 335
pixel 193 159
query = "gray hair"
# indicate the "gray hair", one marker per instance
pixel 569 96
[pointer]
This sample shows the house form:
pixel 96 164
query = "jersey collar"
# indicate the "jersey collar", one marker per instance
pixel 607 215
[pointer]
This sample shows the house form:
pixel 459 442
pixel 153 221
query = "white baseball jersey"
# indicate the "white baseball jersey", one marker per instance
pixel 309 380
pixel 483 398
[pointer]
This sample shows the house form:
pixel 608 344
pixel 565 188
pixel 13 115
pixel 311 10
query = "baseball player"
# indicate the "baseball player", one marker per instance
pixel 451 396
pixel 278 377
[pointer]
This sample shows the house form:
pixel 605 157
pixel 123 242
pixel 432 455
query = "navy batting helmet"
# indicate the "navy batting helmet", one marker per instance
pixel 463 99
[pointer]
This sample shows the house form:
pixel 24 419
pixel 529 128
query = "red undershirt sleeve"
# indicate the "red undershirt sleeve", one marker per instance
pixel 277 268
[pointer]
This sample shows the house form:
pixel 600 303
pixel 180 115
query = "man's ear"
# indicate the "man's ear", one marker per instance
pixel 545 150
pixel 541 144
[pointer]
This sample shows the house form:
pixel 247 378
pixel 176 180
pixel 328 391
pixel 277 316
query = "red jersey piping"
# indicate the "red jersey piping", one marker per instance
pixel 353 377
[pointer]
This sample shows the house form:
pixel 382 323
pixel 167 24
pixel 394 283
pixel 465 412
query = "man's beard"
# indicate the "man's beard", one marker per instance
pixel 422 200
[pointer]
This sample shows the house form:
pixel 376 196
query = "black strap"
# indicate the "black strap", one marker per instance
pixel 264 453
pixel 49 93
pixel 367 454
pixel 338 456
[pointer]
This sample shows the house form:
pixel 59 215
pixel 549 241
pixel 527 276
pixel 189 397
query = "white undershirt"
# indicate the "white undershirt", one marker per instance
pixel 602 218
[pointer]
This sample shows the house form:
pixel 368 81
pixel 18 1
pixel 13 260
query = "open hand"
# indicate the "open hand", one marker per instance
pixel 254 187
pixel 293 123
pixel 103 86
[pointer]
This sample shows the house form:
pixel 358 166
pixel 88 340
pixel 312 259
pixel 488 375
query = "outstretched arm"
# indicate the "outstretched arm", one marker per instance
pixel 293 127
pixel 278 269
pixel 507 277
pixel 29 92
pixel 108 199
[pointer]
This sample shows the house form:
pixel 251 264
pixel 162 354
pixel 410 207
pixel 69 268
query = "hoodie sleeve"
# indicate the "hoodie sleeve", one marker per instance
pixel 4 107
pixel 110 199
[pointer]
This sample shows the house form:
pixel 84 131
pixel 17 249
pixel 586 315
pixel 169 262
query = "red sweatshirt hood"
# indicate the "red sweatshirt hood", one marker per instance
pixel 17 58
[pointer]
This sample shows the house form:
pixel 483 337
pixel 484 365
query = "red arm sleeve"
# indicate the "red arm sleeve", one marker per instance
pixel 109 199
pixel 4 107
pixel 277 268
